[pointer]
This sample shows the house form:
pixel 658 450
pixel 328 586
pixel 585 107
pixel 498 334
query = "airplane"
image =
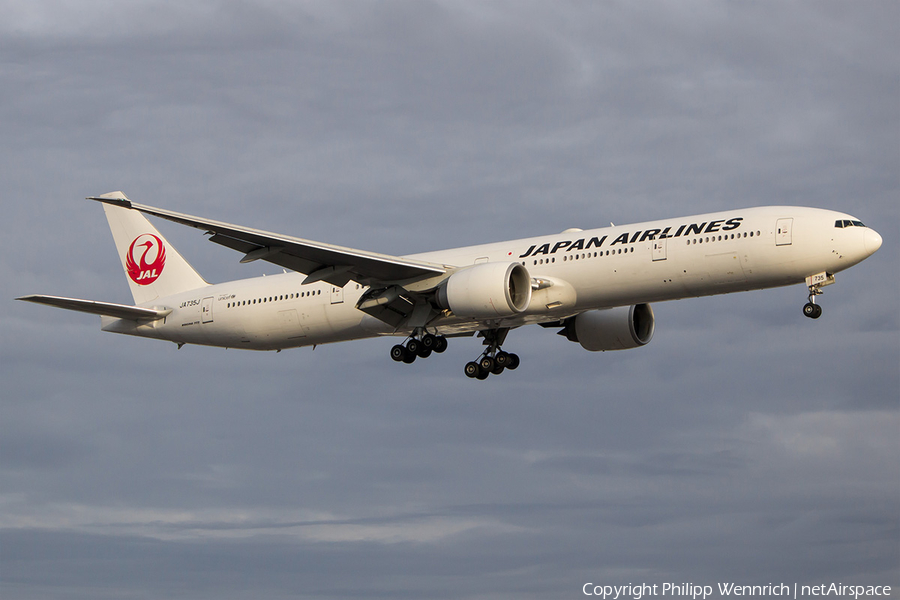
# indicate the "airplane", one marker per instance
pixel 596 287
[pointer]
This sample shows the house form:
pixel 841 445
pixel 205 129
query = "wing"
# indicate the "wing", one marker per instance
pixel 320 262
pixel 105 309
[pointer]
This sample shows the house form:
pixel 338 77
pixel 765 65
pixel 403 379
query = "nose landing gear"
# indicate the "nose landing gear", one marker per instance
pixel 815 283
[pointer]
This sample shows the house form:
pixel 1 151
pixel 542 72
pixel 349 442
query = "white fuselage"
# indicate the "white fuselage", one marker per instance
pixel 663 260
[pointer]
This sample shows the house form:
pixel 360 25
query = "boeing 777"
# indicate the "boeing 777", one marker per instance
pixel 594 286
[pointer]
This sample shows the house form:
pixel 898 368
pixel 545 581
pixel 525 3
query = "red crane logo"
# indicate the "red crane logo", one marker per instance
pixel 143 271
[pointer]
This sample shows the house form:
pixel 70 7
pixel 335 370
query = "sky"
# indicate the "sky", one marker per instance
pixel 745 443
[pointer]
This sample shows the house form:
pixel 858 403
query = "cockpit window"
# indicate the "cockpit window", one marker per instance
pixel 841 223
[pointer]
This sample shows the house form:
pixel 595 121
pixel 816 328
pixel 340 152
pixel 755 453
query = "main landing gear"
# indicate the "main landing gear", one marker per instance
pixel 493 360
pixel 419 346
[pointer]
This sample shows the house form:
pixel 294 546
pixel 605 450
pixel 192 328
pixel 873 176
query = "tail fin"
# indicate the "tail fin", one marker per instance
pixel 153 267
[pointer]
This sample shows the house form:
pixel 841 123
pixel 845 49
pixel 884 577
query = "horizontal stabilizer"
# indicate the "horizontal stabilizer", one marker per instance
pixel 106 309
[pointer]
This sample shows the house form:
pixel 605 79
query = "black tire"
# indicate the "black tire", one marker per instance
pixel 513 362
pixel 472 369
pixel 482 375
pixel 486 363
pixel 502 359
pixel 429 341
pixel 497 369
pixel 410 357
pixel 809 310
pixel 424 352
pixel 398 353
pixel 413 346
pixel 818 312
pixel 440 344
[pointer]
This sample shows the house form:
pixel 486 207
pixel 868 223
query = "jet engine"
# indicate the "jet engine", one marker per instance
pixel 487 291
pixel 612 328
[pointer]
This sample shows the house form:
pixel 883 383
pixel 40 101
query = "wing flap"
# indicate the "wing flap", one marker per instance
pixel 104 309
pixel 267 253
pixel 297 254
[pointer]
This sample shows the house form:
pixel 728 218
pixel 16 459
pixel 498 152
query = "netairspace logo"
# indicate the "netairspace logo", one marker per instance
pixel 701 592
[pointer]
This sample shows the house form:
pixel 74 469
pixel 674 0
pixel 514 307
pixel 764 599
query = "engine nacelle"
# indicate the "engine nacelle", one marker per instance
pixel 487 291
pixel 612 329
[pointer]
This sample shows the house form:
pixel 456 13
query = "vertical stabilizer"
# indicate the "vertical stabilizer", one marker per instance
pixel 154 268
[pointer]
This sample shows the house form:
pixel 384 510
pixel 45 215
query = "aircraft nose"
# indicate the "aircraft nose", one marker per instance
pixel 872 241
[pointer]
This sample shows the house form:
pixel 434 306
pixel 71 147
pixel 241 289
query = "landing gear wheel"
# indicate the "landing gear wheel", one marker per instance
pixel 513 362
pixel 813 311
pixel 486 363
pixel 498 368
pixel 482 375
pixel 502 359
pixel 440 344
pixel 429 341
pixel 472 369
pixel 413 346
pixel 398 353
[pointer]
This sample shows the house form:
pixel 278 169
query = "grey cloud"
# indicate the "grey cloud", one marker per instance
pixel 745 442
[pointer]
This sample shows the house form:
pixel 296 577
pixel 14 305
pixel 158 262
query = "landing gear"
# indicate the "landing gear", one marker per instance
pixel 493 360
pixel 418 347
pixel 815 283
pixel 811 309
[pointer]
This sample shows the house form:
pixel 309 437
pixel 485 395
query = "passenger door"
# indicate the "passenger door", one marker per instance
pixel 783 232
